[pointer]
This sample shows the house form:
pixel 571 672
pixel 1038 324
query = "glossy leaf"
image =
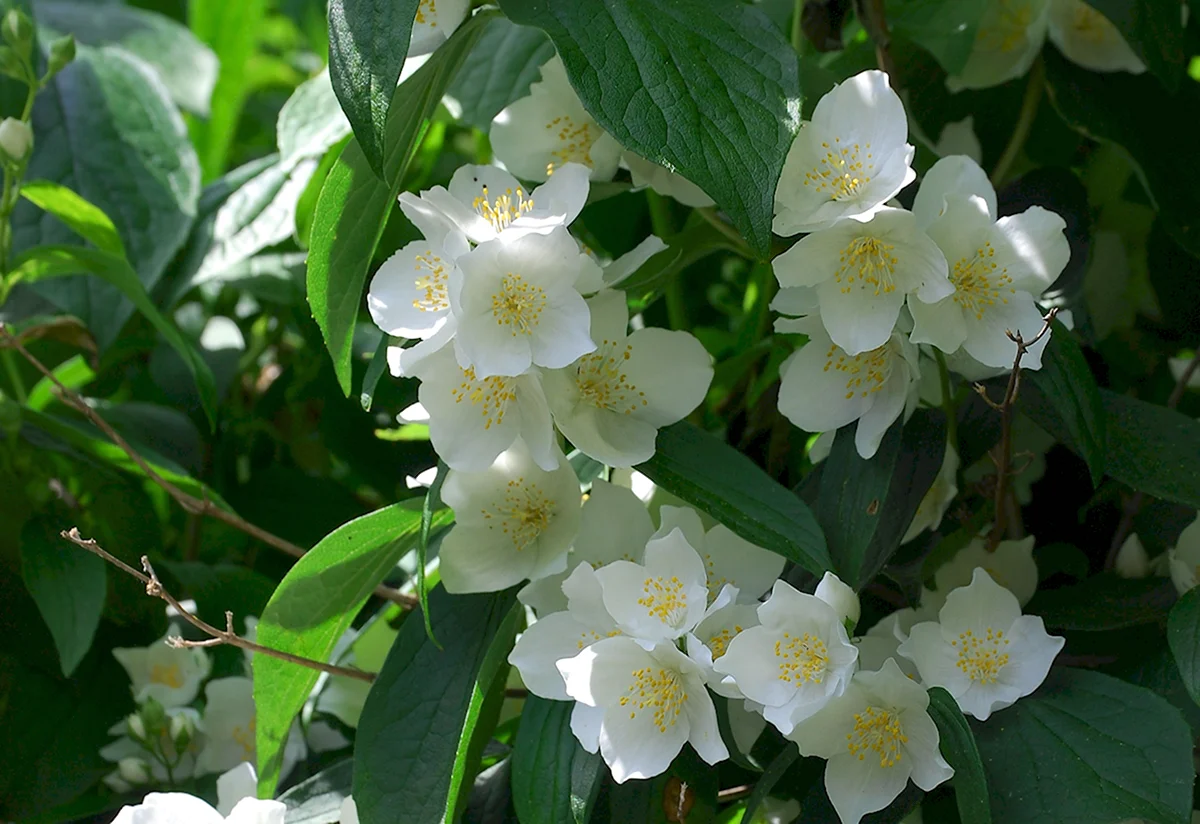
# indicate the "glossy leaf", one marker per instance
pixel 958 748
pixel 84 218
pixel 1183 634
pixel 554 778
pixel 709 88
pixel 714 477
pixel 499 70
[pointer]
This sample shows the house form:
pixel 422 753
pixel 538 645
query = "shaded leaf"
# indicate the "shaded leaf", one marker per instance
pixel 500 69
pixel 318 800
pixel 1155 32
pixel 958 748
pixel 555 780
pixel 944 29
pixel 1183 634
pixel 1105 601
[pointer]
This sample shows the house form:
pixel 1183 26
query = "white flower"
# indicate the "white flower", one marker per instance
pixel 1090 39
pixel 728 558
pixel 794 662
pixel 958 137
pixel 996 267
pixel 615 271
pixel 982 650
pixel 436 20
pixel 648 700
pixel 823 388
pixel 486 203
pixel 1010 565
pixel 662 598
pixel 229 726
pixel 181 808
pixel 954 175
pixel 15 138
pixel 513 521
pixel 937 499
pixel 1132 560
pixel 664 181
pixel 612 401
pixel 539 133
pixel 409 295
pixel 235 784
pixel 1183 559
pixel 473 420
pixel 1008 40
pixel 1179 367
pixel 170 676
pixel 863 272
pixel 613 526
pixel 710 641
pixel 349 811
pixel 844 600
pixel 882 641
pixel 876 736
pixel 849 160
pixel 517 304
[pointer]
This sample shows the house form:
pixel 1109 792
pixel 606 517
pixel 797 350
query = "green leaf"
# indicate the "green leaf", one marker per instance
pixel 68 584
pixel 72 373
pixel 57 261
pixel 107 131
pixel 1183 634
pixel 375 369
pixel 1067 381
pixel 411 753
pixel 368 41
pixel 85 219
pixel 714 477
pixel 354 204
pixel 431 503
pixel 774 772
pixel 1154 31
pixel 554 779
pixel 709 88
pixel 1085 748
pixel 318 800
pixel 311 609
pixel 959 749
pixel 186 66
pixel 944 28
pixel 500 69
pixel 310 121
pixel 1104 602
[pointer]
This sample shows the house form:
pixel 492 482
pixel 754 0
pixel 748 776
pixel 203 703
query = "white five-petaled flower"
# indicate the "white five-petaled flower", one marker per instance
pixel 842 597
pixel 710 640
pixel 982 650
pixel 436 20
pixel 849 160
pixel 795 661
pixel 823 388
pixel 472 420
pixel 170 676
pixel 230 727
pixel 882 641
pixel 1183 559
pixel 1008 40
pixel 537 134
pixel 1010 564
pixel 176 808
pixel 1090 39
pixel 517 304
pixel 876 736
pixel 639 703
pixel 513 521
pixel 862 273
pixel 611 402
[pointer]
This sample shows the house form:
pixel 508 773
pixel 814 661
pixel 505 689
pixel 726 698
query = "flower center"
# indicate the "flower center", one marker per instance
pixel 431 283
pixel 842 172
pixel 523 515
pixel 602 383
pixel 664 599
pixel 518 305
pixel 575 139
pixel 867 262
pixel 719 642
pixel 977 285
pixel 1012 23
pixel 802 658
pixel 492 395
pixel 245 737
pixel 879 731
pixel 502 211
pixel 866 372
pixel 657 690
pixel 980 657
pixel 167 674
pixel 427 7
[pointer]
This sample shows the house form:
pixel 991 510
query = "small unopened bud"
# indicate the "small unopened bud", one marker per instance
pixel 137 729
pixel 153 716
pixel 842 598
pixel 12 65
pixel 134 770
pixel 181 731
pixel 17 29
pixel 62 52
pixel 1132 560
pixel 16 138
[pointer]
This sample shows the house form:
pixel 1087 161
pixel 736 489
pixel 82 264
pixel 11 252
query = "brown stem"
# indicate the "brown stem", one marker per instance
pixel 1005 408
pixel 218 637
pixel 874 20
pixel 190 503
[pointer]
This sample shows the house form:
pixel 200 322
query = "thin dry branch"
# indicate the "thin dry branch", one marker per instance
pixel 218 637
pixel 190 503
pixel 874 20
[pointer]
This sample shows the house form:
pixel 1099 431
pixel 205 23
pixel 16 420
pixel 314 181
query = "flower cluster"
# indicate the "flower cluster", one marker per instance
pixel 872 282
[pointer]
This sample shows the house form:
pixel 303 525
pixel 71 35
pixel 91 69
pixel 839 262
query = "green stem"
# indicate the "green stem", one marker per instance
pixel 947 400
pixel 739 243
pixel 14 377
pixel 797 29
pixel 1034 88
pixel 660 221
pixel 12 189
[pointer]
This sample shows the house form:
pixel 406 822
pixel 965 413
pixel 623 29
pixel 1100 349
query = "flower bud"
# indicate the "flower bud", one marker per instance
pixel 16 138
pixel 17 29
pixel 153 716
pixel 12 65
pixel 1132 560
pixel 181 731
pixel 62 52
pixel 134 770
pixel 137 729
pixel 842 598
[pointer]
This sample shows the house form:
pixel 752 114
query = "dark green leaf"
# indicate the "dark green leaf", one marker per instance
pixel 491 799
pixel 499 70
pixel 708 88
pixel 1155 32
pixel 368 41
pixel 549 767
pixel 1183 634
pixel 944 28
pixel 68 584
pixel 1085 748
pixel 186 66
pixel 354 204
pixel 411 754
pixel 1067 381
pixel 375 370
pixel 714 477
pixel 958 748
pixel 311 609
pixel 1105 601
pixel 764 785
pixel 318 800
pixel 85 219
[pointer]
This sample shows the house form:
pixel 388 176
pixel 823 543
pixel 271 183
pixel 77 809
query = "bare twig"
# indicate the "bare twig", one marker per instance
pixel 734 793
pixel 1134 503
pixel 873 19
pixel 190 503
pixel 1005 408
pixel 217 637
